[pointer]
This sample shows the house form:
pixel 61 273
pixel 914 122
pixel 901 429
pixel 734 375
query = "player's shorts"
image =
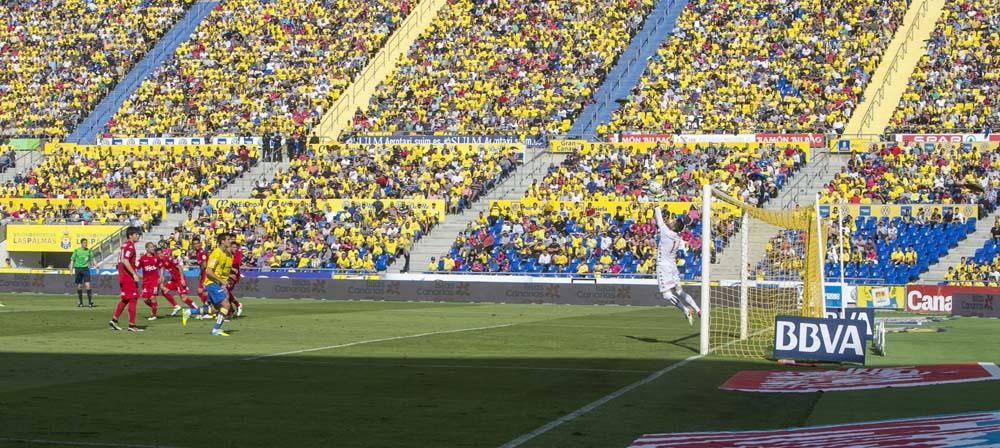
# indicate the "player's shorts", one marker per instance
pixel 216 293
pixel 172 285
pixel 150 292
pixel 81 276
pixel 129 290
pixel 666 281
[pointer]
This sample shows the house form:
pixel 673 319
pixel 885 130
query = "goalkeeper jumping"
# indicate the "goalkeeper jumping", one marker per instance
pixel 667 277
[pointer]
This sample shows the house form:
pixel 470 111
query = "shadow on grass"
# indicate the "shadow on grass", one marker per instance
pixel 343 401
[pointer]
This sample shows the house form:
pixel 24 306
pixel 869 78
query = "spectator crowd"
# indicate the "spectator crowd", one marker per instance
pixel 458 174
pixel 794 66
pixel 58 59
pixel 361 236
pixel 185 176
pixel 956 83
pixel 253 67
pixel 504 67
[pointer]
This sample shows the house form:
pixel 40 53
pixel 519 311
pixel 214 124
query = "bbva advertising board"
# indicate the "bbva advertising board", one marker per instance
pixel 819 339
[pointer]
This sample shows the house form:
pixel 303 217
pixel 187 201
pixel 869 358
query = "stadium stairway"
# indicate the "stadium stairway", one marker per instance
pixel 338 118
pixel 892 76
pixel 438 241
pixel 800 191
pixel 243 185
pixel 86 132
pixel 26 160
pixel 966 248
pixel 628 69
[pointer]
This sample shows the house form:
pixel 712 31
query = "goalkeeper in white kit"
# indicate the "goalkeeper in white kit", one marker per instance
pixel 668 278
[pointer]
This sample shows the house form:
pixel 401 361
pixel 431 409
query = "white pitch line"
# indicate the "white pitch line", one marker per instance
pixel 459 366
pixel 372 341
pixel 521 440
pixel 596 404
pixel 66 443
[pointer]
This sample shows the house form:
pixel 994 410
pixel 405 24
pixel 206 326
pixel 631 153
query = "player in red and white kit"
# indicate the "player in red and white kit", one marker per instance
pixel 177 282
pixel 150 266
pixel 201 255
pixel 128 281
pixel 234 278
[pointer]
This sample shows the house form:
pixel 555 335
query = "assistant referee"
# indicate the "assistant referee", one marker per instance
pixel 80 262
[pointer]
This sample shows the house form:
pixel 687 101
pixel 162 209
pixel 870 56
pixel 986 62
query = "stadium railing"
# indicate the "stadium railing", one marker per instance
pixel 632 65
pixel 368 79
pixel 893 67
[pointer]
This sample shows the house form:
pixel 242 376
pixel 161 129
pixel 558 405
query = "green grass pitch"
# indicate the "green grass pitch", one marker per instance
pixel 380 374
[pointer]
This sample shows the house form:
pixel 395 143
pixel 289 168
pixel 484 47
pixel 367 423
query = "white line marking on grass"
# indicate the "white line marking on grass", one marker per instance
pixel 372 341
pixel 596 404
pixel 458 366
pixel 613 395
pixel 65 443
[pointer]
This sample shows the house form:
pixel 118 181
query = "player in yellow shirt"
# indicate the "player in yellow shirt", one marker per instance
pixel 217 270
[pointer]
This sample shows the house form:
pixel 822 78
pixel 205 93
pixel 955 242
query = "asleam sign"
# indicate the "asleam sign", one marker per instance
pixel 859 378
pixel 982 304
pixel 818 339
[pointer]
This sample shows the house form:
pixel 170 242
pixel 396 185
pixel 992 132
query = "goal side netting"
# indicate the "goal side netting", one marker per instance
pixel 772 265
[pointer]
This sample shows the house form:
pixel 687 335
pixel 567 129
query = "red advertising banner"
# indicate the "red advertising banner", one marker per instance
pixel 646 138
pixel 934 298
pixel 815 140
pixel 795 381
pixel 971 429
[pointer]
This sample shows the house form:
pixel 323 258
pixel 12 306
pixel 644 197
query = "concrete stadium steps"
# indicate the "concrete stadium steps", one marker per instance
pixel 356 96
pixel 438 241
pixel 25 161
pixel 243 186
pixel 164 229
pixel 890 79
pixel 86 132
pixel 966 248
pixel 629 69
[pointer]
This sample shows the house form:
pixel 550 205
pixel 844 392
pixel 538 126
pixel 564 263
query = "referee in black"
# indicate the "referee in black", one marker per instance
pixel 80 262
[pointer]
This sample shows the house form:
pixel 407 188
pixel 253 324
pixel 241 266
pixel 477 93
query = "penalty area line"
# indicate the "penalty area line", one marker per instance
pixel 521 440
pixel 372 341
pixel 70 443
pixel 598 403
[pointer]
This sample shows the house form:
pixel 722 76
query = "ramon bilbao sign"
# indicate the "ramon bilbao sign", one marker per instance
pixel 818 339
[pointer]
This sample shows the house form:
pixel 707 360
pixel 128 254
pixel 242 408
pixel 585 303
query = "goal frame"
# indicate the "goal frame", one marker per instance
pixel 744 280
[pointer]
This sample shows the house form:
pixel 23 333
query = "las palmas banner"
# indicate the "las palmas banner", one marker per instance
pixel 54 237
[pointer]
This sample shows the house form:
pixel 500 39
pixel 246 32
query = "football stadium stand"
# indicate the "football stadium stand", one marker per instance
pixel 572 238
pixel 458 174
pixel 946 173
pixel 356 236
pixel 185 176
pixel 982 269
pixel 106 211
pixel 752 172
pixel 956 83
pixel 253 67
pixel 58 59
pixel 513 67
pixel 762 66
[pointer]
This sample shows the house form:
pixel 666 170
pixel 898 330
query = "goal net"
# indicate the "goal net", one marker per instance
pixel 773 266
